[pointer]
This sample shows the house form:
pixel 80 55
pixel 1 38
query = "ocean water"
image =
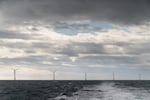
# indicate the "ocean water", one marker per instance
pixel 74 90
pixel 117 90
pixel 111 92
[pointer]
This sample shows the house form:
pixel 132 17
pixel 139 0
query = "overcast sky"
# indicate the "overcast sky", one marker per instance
pixel 75 36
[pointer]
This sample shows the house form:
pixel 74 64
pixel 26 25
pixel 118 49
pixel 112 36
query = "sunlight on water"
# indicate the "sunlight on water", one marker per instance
pixel 109 91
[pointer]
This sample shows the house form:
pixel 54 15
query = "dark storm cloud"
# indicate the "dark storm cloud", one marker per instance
pixel 118 11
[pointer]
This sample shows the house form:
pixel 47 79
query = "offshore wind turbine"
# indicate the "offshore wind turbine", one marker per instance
pixel 14 72
pixel 85 75
pixel 140 76
pixel 54 72
pixel 113 76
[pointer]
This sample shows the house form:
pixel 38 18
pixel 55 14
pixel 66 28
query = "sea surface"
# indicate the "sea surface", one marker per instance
pixel 75 90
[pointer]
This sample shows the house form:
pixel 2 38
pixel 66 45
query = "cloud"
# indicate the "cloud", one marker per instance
pixel 75 27
pixel 77 35
pixel 114 48
pixel 13 35
pixel 116 11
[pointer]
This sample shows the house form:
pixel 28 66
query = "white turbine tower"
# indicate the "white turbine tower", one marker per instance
pixel 140 76
pixel 14 68
pixel 14 72
pixel 85 76
pixel 113 76
pixel 54 74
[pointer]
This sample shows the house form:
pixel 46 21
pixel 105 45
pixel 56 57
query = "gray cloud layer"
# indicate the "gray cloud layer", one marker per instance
pixel 118 11
pixel 13 35
pixel 37 41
